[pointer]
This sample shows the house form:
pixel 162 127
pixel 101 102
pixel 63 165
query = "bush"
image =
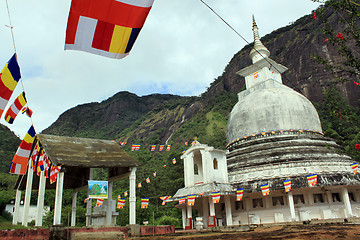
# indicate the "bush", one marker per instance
pixel 168 220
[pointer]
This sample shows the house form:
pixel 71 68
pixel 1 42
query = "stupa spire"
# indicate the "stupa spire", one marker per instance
pixel 259 51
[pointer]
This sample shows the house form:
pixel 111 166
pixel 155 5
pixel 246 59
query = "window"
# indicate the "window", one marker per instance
pixel 257 203
pixel 299 199
pixel 239 205
pixel 196 169
pixel 278 201
pixel 336 197
pixel 318 198
pixel 215 163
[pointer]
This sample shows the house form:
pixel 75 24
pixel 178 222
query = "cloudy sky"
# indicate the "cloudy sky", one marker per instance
pixel 182 48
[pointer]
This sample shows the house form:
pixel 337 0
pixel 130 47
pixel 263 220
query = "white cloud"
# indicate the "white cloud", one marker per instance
pixel 182 48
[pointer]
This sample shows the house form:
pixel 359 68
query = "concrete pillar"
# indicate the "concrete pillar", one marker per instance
pixel 207 167
pixel 132 197
pixel 346 200
pixel 40 200
pixel 205 210
pixel 109 209
pixel 291 206
pixel 267 201
pixel 212 217
pixel 16 217
pixel 58 198
pixel 29 182
pixel 229 221
pixel 309 199
pixel 189 223
pixel 189 169
pixel 73 209
pixel 89 203
pixel 329 196
pixel 183 211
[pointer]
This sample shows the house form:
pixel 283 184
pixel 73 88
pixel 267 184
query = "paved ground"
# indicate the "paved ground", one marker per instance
pixel 300 232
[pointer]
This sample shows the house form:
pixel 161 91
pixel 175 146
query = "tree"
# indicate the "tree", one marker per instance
pixel 345 36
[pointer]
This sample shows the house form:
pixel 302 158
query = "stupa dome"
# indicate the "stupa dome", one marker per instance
pixel 271 109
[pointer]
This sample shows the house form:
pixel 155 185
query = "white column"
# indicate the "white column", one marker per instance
pixel 212 217
pixel 189 211
pixel 346 199
pixel 89 203
pixel 73 209
pixel 109 209
pixel 207 163
pixel 183 211
pixel 16 214
pixel 58 198
pixel 132 197
pixel 291 206
pixel 189 169
pixel 329 196
pixel 229 221
pixel 40 200
pixel 29 182
pixel 205 209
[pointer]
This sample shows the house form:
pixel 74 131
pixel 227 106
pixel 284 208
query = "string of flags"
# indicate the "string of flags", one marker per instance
pixel 264 133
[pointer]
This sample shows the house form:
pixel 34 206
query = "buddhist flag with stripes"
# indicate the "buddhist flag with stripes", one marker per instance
pixel 9 78
pixel 153 148
pixel 105 27
pixel 265 189
pixel 54 173
pixel 99 202
pixel 133 148
pixel 168 147
pixel 154 174
pixel 147 180
pixel 215 197
pixel 287 185
pixel 164 199
pixel 191 200
pixel 46 165
pixel 312 179
pixel 161 147
pixel 239 194
pixel 121 203
pixel 40 165
pixel 183 151
pixel 139 185
pixel 15 108
pixel 354 167
pixel 20 160
pixel 182 200
pixel 144 202
pixel 125 193
pixel 174 161
pixel 34 156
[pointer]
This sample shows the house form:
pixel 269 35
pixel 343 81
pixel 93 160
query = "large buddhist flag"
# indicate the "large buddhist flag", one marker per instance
pixel 9 77
pixel 105 27
pixel 15 108
pixel 20 160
